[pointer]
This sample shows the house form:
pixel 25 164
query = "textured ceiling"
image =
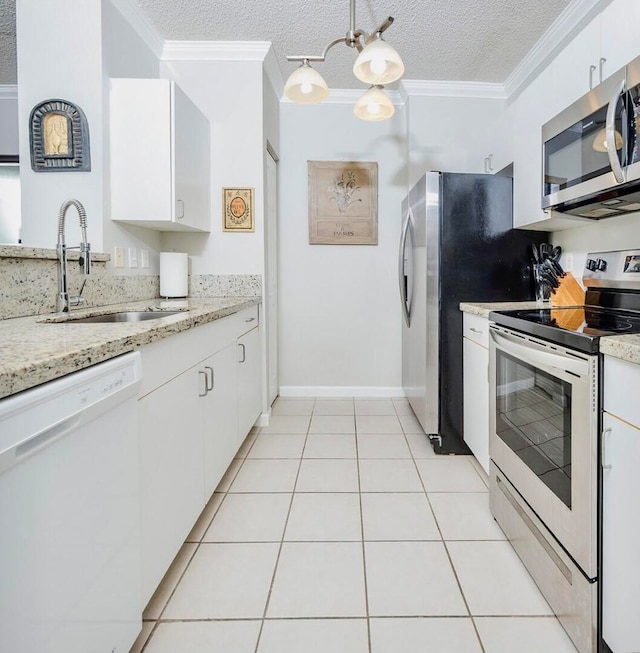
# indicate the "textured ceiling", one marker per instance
pixel 463 40
pixel 8 73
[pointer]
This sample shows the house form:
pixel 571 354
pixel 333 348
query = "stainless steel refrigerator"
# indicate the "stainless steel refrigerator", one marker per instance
pixel 457 245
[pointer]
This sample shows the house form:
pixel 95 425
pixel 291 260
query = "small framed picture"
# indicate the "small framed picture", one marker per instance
pixel 237 210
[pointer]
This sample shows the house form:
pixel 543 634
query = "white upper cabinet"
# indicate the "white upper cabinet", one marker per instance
pixel 609 42
pixel 605 45
pixel 619 35
pixel 160 157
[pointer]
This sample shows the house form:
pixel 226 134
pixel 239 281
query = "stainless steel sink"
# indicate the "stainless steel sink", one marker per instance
pixel 128 316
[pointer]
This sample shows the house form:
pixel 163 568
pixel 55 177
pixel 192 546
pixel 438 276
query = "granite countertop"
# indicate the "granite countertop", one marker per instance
pixel 40 348
pixel 626 348
pixel 483 309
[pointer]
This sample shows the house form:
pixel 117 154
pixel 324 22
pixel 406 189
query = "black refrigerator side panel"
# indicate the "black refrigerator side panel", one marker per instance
pixel 482 259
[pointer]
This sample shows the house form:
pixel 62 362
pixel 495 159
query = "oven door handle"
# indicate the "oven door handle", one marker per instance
pixel 530 353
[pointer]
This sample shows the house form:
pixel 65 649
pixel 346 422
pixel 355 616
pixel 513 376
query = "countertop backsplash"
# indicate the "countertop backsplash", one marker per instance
pixel 29 283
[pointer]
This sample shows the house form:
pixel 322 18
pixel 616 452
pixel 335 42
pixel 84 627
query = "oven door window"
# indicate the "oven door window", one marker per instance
pixel 533 418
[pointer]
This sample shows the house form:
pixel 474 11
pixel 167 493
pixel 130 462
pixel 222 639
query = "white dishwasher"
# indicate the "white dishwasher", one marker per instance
pixel 69 516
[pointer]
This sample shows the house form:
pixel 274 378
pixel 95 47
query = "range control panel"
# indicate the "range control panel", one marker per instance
pixel 613 269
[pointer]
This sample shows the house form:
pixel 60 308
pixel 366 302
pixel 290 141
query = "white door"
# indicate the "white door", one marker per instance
pixel 271 301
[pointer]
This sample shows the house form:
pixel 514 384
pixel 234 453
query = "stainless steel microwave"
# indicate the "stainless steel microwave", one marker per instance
pixel 591 151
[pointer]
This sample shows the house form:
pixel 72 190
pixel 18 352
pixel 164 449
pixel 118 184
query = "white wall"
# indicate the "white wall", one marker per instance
pixel 600 236
pixel 339 308
pixel 230 94
pixel 59 56
pixel 8 120
pixel 449 133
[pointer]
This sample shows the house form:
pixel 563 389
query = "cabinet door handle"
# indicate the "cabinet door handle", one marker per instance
pixel 601 64
pixel 475 330
pixel 179 205
pixel 206 384
pixel 603 449
pixel 489 163
pixel 244 353
pixel 212 378
pixel 486 164
pixel 592 69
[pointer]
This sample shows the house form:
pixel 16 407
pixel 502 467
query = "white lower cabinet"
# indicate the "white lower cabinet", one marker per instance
pixel 621 516
pixel 197 404
pixel 249 393
pixel 475 354
pixel 171 480
pixel 220 415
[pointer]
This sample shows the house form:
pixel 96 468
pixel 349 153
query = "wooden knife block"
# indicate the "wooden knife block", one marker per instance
pixel 570 292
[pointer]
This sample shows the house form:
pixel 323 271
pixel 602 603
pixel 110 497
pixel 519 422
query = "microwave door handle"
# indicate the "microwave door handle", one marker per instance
pixel 401 271
pixel 610 131
pixel 539 357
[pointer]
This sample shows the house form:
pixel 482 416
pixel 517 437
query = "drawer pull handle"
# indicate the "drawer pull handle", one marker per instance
pixel 206 384
pixel 208 368
pixel 476 330
pixel 251 319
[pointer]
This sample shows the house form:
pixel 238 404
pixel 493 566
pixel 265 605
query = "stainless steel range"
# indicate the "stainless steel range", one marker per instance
pixel 545 425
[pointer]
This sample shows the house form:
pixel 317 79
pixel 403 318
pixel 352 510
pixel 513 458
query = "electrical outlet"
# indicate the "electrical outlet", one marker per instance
pixel 133 257
pixel 118 257
pixel 568 262
pixel 144 258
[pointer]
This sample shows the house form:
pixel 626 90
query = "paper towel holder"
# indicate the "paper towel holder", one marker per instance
pixel 174 275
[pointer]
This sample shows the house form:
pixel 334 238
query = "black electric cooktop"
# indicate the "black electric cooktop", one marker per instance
pixel 575 327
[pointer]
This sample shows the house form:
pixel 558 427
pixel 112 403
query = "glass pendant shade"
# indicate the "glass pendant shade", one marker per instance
pixel 378 63
pixel 374 105
pixel 600 141
pixel 306 86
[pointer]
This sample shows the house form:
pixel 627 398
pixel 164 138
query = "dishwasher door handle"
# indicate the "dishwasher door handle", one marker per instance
pixel 13 455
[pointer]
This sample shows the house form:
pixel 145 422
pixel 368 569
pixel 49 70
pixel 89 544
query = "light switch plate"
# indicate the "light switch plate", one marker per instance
pixel 133 257
pixel 144 258
pixel 118 257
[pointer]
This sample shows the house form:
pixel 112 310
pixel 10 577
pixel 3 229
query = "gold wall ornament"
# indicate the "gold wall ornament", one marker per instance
pixel 59 137
pixel 238 210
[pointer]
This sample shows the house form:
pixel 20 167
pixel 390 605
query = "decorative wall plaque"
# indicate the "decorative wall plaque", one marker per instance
pixel 237 210
pixel 343 203
pixel 59 137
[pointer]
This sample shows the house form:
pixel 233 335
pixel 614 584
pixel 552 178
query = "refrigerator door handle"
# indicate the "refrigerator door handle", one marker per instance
pixel 402 272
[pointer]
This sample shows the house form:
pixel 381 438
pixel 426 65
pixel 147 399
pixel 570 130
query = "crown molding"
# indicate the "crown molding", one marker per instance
pixel 436 88
pixel 573 19
pixel 140 22
pixel 8 91
pixel 351 95
pixel 273 72
pixel 215 50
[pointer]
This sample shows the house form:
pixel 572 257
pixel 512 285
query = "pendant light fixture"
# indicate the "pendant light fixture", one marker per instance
pixel 377 64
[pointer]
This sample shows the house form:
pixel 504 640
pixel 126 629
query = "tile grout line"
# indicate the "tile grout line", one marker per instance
pixel 364 554
pixel 453 568
pixel 197 548
pixel 284 530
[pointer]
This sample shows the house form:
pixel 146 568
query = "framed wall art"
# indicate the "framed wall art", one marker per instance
pixel 59 137
pixel 238 210
pixel 343 203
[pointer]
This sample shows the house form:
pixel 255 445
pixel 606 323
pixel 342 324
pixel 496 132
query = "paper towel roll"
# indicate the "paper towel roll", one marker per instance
pixel 174 274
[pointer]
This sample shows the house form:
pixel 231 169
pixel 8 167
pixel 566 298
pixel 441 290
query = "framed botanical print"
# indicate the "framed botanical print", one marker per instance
pixel 343 203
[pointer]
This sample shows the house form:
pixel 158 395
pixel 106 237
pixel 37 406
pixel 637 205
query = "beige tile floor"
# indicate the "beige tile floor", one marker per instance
pixel 337 530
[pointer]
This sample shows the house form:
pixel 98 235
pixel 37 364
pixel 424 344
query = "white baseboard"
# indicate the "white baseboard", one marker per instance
pixel 339 391
pixel 264 419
